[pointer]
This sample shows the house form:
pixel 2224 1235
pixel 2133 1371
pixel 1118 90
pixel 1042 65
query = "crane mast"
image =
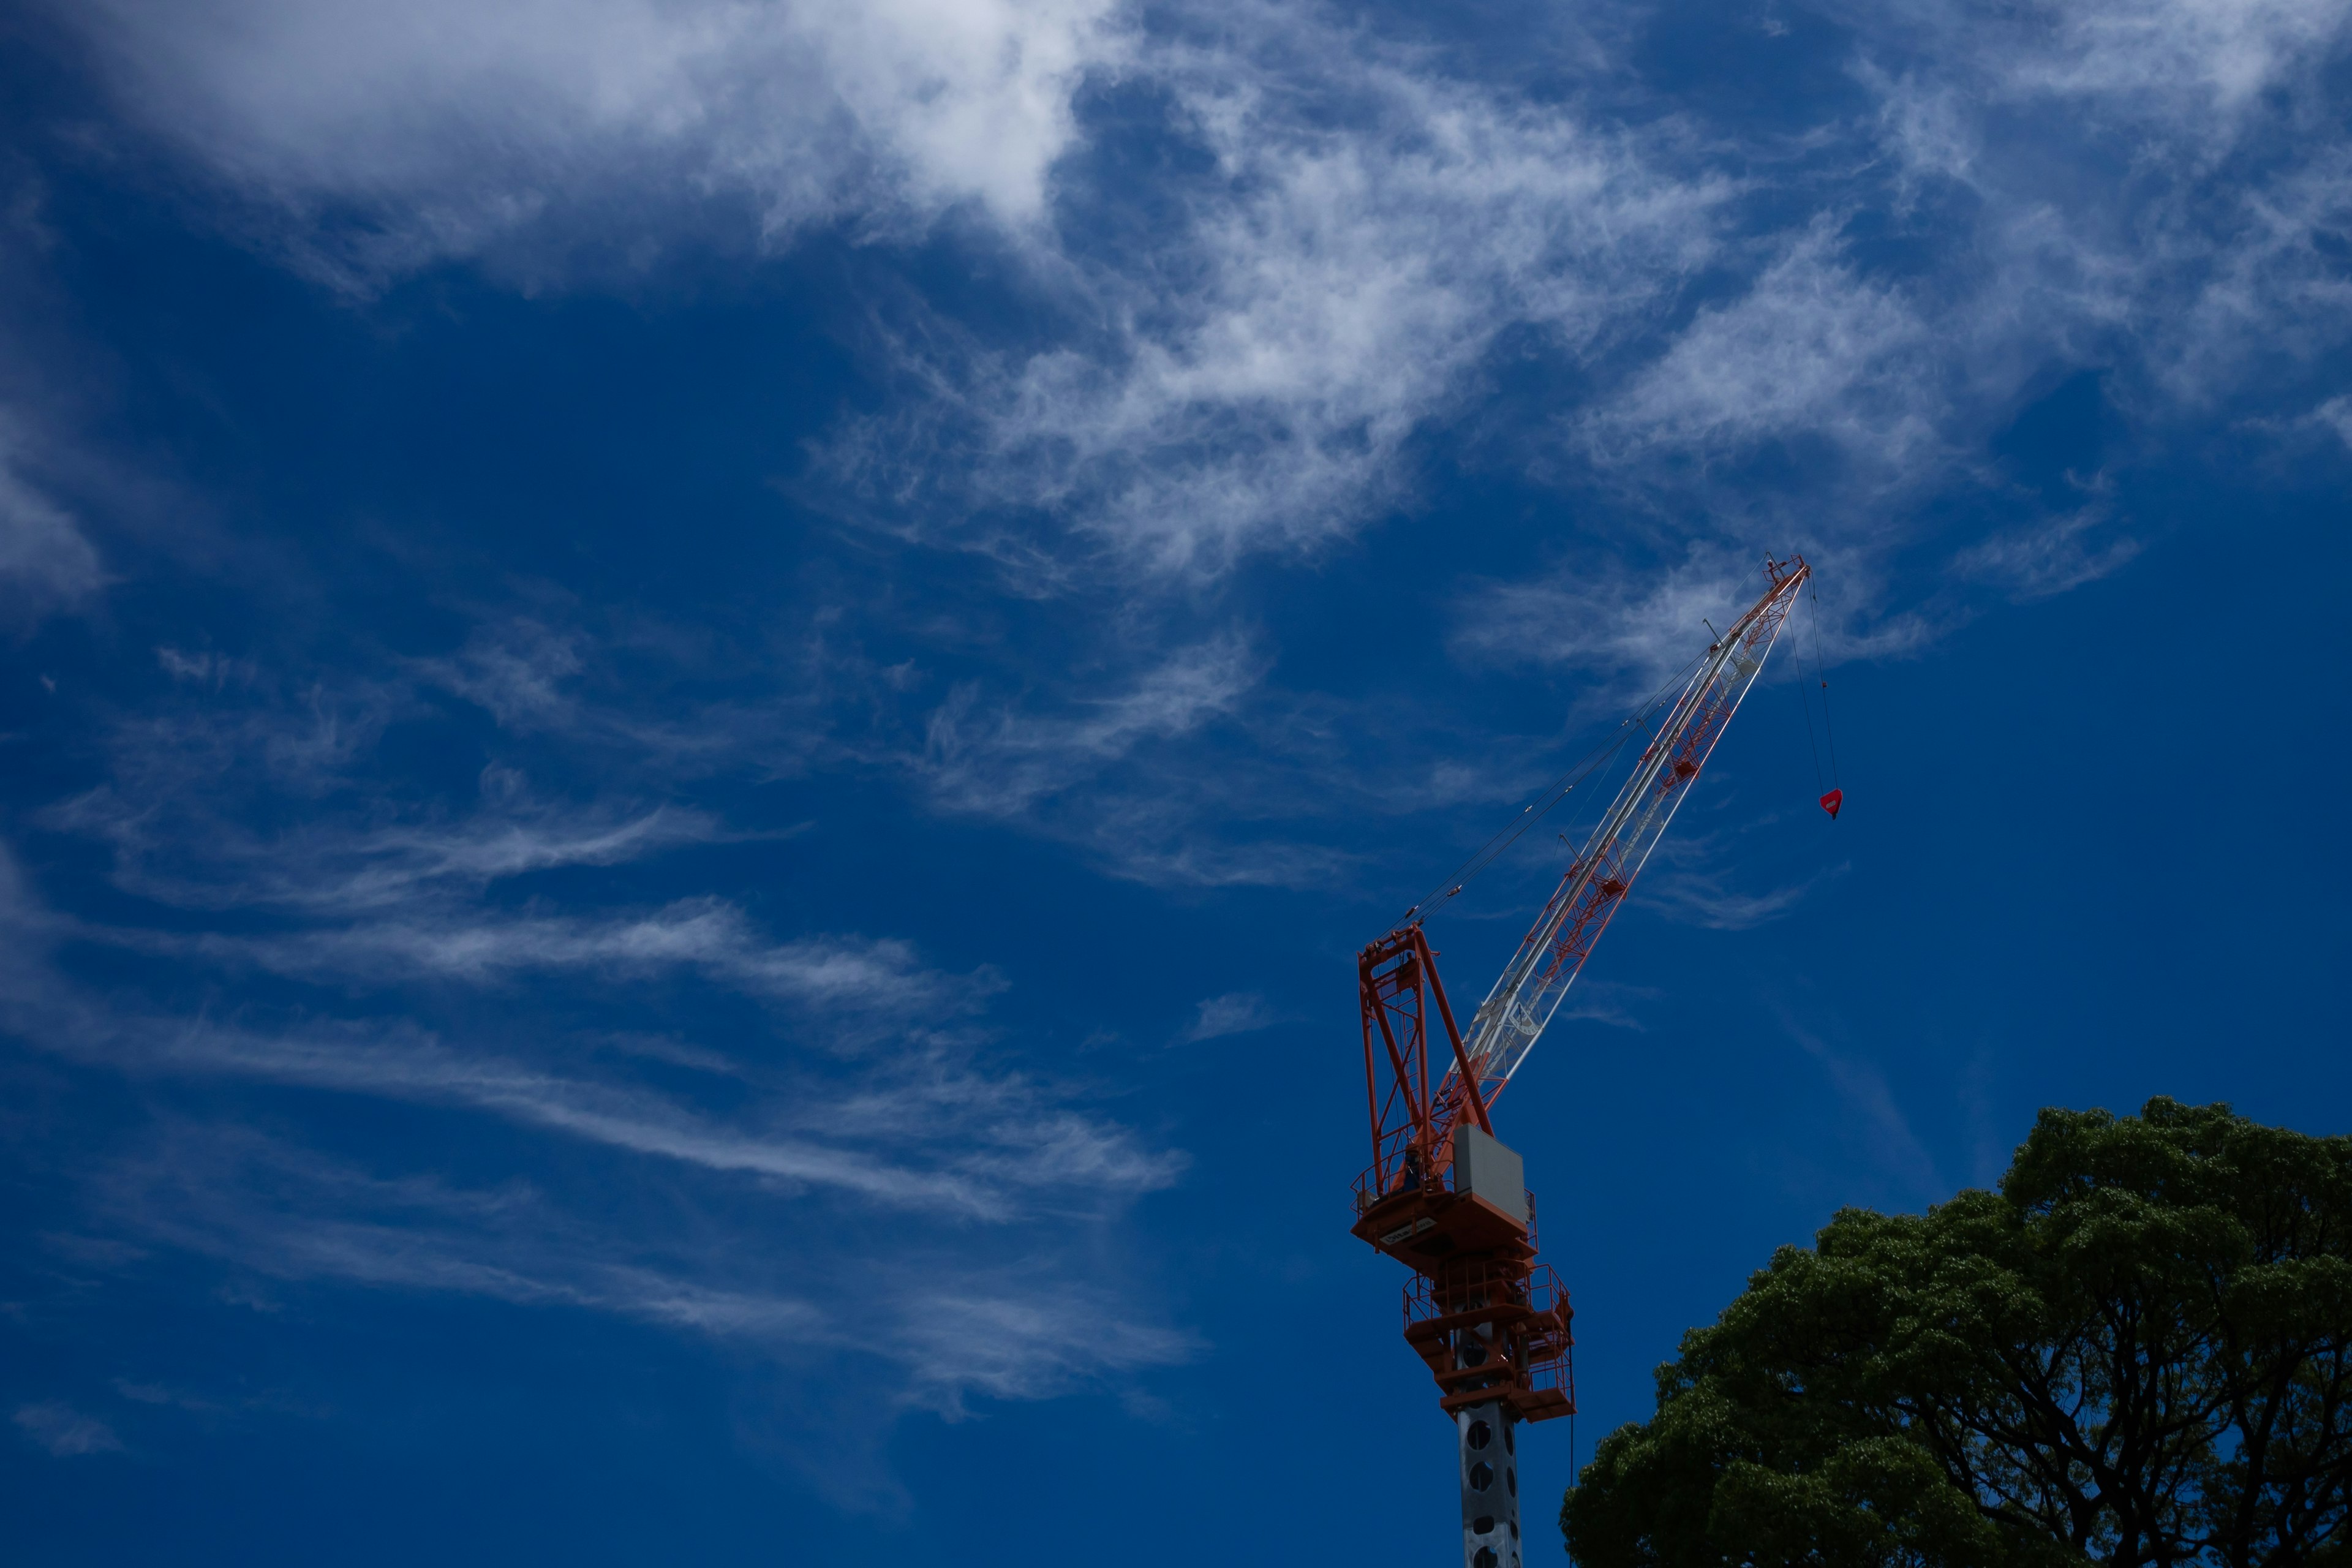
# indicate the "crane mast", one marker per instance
pixel 1443 1195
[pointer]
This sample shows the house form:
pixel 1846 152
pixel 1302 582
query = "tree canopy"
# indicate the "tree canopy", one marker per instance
pixel 2134 1352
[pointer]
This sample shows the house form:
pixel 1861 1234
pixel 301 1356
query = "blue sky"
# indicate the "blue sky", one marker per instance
pixel 702 702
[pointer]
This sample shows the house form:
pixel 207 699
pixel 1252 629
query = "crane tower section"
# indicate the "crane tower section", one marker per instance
pixel 1441 1194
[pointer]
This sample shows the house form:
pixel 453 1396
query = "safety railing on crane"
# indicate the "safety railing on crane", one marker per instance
pixel 1485 1324
pixel 1477 1288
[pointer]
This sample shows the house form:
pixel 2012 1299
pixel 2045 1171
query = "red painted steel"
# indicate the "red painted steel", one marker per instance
pixel 1488 1321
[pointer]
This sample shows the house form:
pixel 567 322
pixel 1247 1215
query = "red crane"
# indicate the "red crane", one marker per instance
pixel 1443 1195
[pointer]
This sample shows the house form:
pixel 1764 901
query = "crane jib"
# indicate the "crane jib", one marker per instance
pixel 1517 1011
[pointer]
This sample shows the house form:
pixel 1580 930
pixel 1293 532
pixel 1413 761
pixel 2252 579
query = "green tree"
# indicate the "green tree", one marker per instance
pixel 2137 1352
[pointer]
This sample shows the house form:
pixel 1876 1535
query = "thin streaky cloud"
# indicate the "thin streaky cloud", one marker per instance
pixel 710 935
pixel 937 1133
pixel 47 563
pixel 330 868
pixel 1002 762
pixel 264 1205
pixel 1700 899
pixel 1886 1131
pixel 64 1431
pixel 1234 1013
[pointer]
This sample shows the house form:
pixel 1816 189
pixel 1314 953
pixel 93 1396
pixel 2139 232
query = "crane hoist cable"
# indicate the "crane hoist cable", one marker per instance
pixel 1592 761
pixel 1833 788
pixel 1834 799
pixel 1805 703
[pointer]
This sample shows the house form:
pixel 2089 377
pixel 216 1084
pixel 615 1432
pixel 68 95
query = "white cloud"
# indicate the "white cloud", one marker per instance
pixel 46 562
pixel 189 776
pixel 1234 1013
pixel 2051 557
pixel 990 1337
pixel 380 866
pixel 836 974
pixel 517 671
pixel 951 1330
pixel 202 667
pixel 1606 1002
pixel 1150 776
pixel 1002 762
pixel 2158 59
pixel 1367 229
pixel 174 850
pixel 1698 897
pixel 1342 281
pixel 379 139
pixel 1354 242
pixel 920 1126
pixel 1876 1119
pixel 2271 299
pixel 2335 414
pixel 64 1431
pixel 1812 348
pixel 932 1129
pixel 1329 287
pixel 1641 630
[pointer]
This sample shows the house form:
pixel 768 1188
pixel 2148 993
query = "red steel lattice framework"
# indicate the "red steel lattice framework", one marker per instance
pixel 1491 1324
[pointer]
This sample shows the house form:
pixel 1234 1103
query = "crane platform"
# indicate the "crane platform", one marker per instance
pixel 1422 1226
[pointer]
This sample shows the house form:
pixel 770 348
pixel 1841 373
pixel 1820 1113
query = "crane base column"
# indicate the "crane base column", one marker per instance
pixel 1490 1486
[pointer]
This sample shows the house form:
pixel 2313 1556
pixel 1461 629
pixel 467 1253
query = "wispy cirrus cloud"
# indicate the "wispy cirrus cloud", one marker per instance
pixel 64 1430
pixel 876 1090
pixel 1311 303
pixel 1640 632
pixel 47 563
pixel 1363 233
pixel 2335 416
pixel 171 852
pixel 929 1139
pixel 839 975
pixel 1233 1013
pixel 1798 339
pixel 366 145
pixel 2159 63
pixel 871 1085
pixel 2052 556
pixel 1003 761
pixel 923 1125
pixel 191 781
pixel 1877 1119
pixel 1814 348
pixel 286 1212
pixel 518 668
pixel 1700 898
pixel 1862 307
pixel 50 561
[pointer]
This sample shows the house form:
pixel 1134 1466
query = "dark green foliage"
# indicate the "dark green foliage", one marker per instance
pixel 2139 1350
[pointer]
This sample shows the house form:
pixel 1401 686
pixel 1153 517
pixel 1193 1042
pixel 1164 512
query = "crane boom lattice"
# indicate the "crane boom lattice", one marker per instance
pixel 1528 991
